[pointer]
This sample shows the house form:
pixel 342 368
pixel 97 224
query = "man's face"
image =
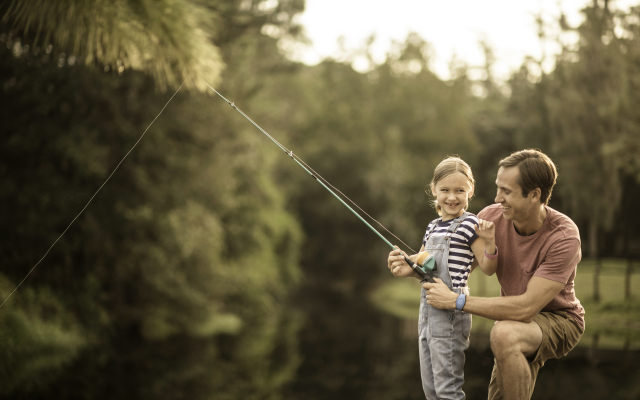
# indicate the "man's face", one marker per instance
pixel 515 207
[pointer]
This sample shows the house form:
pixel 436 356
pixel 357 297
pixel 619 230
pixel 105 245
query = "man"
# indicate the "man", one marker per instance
pixel 537 315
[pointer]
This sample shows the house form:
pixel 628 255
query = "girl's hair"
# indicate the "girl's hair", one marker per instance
pixel 448 166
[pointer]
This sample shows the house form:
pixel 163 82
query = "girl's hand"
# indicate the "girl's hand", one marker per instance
pixel 398 266
pixel 485 229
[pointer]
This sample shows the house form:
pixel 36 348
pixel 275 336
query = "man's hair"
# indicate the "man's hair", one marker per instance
pixel 536 171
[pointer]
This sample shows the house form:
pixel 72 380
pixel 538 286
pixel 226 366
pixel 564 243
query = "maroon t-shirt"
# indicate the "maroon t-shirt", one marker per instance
pixel 553 252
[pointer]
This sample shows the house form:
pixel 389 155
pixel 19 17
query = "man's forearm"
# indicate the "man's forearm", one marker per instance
pixel 512 308
pixel 524 307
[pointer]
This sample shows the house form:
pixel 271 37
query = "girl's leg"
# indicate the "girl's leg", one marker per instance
pixel 426 368
pixel 426 371
pixel 447 344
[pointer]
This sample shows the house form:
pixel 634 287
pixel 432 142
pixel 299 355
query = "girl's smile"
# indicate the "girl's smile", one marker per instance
pixel 452 194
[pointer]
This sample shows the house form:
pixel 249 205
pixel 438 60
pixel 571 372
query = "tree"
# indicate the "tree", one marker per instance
pixel 583 115
pixel 174 282
pixel 170 40
pixel 173 41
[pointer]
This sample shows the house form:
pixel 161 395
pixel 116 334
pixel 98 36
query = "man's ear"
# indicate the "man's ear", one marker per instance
pixel 535 194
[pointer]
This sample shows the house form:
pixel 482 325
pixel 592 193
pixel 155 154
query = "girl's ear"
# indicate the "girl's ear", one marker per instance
pixel 433 190
pixel 471 192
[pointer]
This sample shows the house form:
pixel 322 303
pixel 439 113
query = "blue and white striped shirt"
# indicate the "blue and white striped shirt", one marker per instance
pixel 460 254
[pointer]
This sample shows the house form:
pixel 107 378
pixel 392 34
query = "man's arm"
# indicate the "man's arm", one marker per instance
pixel 523 308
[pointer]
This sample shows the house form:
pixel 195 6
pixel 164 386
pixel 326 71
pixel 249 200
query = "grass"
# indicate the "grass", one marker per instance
pixel 398 297
pixel 612 323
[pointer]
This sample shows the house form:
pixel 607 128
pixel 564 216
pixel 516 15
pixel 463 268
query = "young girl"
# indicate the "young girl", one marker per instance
pixel 458 241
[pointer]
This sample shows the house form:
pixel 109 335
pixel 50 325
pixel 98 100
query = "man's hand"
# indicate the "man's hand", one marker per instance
pixel 398 266
pixel 439 295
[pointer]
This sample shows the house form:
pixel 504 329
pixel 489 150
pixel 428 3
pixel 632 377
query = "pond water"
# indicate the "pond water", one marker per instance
pixel 349 348
pixel 352 350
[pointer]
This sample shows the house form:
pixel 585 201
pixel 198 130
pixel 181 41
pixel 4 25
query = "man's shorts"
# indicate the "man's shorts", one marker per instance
pixel 560 334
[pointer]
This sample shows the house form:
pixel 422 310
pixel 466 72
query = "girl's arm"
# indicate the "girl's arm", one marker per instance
pixel 474 263
pixel 485 243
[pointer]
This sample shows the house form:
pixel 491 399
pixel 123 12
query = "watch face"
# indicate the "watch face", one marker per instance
pixel 460 302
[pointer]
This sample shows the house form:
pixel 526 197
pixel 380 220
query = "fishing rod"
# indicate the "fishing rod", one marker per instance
pixel 424 267
pixel 425 264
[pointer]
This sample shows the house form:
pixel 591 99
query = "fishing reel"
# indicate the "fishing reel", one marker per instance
pixel 424 266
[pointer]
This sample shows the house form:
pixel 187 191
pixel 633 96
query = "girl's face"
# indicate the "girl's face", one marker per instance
pixel 452 194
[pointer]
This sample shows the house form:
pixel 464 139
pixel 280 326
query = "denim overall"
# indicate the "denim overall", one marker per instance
pixel 443 334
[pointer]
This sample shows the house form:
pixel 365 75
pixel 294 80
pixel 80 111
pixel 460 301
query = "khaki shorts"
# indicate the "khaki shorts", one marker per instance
pixel 560 334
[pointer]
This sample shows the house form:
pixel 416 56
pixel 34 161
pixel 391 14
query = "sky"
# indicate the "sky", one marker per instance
pixel 452 27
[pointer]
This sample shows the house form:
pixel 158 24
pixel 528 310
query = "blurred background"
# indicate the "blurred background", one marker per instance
pixel 212 267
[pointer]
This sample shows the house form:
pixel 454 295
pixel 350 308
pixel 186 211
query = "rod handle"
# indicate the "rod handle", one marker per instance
pixel 426 277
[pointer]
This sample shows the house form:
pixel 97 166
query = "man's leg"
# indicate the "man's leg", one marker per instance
pixel 512 342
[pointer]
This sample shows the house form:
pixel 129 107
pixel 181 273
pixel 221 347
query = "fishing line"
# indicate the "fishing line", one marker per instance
pixel 352 202
pixel 94 195
pixel 423 270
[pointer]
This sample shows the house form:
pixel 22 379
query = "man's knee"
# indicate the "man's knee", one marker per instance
pixel 504 338
pixel 512 337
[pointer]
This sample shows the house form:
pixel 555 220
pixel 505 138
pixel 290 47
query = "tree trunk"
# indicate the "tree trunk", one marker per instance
pixel 627 275
pixel 627 343
pixel 627 279
pixel 596 281
pixel 593 253
pixel 593 350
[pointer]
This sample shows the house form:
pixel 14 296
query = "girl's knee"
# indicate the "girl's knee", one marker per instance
pixel 450 393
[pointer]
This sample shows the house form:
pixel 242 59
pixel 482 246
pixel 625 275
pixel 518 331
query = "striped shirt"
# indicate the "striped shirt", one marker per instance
pixel 460 254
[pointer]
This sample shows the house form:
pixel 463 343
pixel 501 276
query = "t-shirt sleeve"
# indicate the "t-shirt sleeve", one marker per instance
pixel 491 213
pixel 560 261
pixel 467 229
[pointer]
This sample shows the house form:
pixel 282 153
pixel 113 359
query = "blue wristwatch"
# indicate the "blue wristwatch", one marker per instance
pixel 462 298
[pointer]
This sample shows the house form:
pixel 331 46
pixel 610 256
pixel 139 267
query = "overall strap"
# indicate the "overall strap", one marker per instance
pixel 455 224
pixel 435 225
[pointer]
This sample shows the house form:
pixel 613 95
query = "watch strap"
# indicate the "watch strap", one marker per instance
pixel 460 301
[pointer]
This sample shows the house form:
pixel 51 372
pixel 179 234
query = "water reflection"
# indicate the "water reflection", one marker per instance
pixel 352 350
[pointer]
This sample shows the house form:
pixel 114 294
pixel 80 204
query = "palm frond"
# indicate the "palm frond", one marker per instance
pixel 168 39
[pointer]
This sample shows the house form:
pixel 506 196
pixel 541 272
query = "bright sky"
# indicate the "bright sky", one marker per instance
pixel 451 27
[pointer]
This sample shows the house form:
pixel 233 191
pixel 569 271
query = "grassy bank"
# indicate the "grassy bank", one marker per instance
pixel 612 323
